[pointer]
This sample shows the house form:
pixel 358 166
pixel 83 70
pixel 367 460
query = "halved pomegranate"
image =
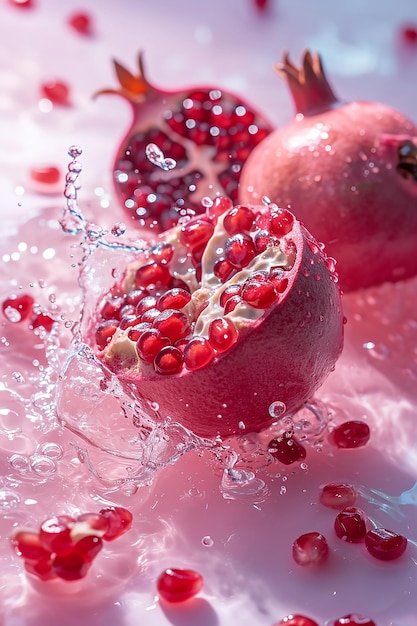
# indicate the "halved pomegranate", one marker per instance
pixel 181 146
pixel 227 314
pixel 349 173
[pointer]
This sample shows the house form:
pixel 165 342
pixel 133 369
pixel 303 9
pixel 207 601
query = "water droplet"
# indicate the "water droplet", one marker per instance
pixel 51 450
pixel 207 541
pixel 8 499
pixel 42 465
pixel 19 462
pixel 118 229
pixel 155 155
pixel 379 351
pixel 17 376
pixel 277 409
pixel 75 151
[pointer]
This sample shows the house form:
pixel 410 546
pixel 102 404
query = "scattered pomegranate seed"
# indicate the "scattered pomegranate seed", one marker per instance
pixel 352 434
pixel 261 4
pixel 22 4
pixel 104 332
pixel 353 619
pixel 385 545
pixel 178 585
pixel 196 232
pixel 287 449
pixel 338 495
pixel 81 22
pixel 409 34
pixel 42 320
pixel 350 525
pixel 152 274
pixel 222 334
pixel 240 250
pixel 238 220
pixel 310 549
pixel 56 91
pixel 70 566
pixel 281 222
pixel 88 547
pixel 17 309
pixel 48 175
pixel 55 534
pixel 27 544
pixel 296 620
pixel 119 521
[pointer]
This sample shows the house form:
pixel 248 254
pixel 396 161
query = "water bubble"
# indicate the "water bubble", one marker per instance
pixel 207 202
pixel 277 409
pixel 377 351
pixel 42 465
pixel 9 499
pixel 75 166
pixel 155 155
pixel 75 151
pixel 118 229
pixel 18 377
pixel 51 450
pixel 19 462
pixel 12 314
pixel 129 489
pixel 207 541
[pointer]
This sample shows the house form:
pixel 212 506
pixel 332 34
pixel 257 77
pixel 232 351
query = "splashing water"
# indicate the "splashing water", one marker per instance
pixel 155 155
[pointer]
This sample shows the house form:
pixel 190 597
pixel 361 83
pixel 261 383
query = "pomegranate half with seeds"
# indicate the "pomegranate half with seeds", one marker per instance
pixel 349 173
pixel 180 147
pixel 226 314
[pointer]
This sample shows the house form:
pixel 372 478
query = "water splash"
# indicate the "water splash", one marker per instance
pixel 155 155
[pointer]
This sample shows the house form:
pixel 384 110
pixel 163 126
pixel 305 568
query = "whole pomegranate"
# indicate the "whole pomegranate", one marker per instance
pixel 349 173
pixel 227 314
pixel 180 147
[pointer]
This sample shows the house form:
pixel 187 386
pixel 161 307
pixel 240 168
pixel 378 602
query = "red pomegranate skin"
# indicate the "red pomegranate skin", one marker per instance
pixel 284 355
pixel 339 168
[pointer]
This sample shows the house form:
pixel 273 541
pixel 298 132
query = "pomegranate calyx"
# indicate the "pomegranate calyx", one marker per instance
pixel 309 87
pixel 134 88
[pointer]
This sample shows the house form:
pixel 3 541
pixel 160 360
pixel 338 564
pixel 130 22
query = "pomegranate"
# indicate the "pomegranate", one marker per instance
pixel 254 316
pixel 345 170
pixel 181 146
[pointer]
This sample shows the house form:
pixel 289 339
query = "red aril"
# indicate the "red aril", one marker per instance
pixel 88 547
pixel 47 175
pixel 351 434
pixel 287 449
pixel 338 495
pixel 42 320
pixel 344 170
pixel 222 358
pixel 71 566
pixel 350 525
pixel 27 544
pixel 17 308
pixel 353 619
pixel 81 22
pixel 310 549
pixel 384 544
pixel 178 585
pixel 296 620
pixel 119 521
pixel 181 146
pixel 55 534
pixel 57 91
pixel 409 33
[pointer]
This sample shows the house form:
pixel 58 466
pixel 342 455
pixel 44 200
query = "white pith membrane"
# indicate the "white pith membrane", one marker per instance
pixel 205 306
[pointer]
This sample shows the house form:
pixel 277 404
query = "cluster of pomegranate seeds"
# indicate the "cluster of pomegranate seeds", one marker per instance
pixel 81 22
pixel 310 549
pixel 338 495
pixel 350 524
pixel 57 91
pixel 296 620
pixel 351 434
pixel 20 308
pixel 178 585
pixel 156 310
pixel 287 449
pixel 65 547
pixel 384 544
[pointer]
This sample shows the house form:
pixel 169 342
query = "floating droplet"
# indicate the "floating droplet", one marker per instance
pixel 8 499
pixel 207 541
pixel 155 155
pixel 277 409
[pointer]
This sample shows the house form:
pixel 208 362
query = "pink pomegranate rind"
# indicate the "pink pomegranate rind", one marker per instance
pixel 281 353
pixel 348 172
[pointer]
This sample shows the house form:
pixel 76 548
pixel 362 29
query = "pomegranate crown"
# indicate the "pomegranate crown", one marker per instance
pixel 133 87
pixel 308 84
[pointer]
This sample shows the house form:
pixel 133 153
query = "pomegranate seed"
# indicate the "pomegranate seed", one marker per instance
pixel 385 545
pixel 105 332
pixel 43 320
pixel 119 521
pixel 136 331
pixel 352 434
pixel 222 334
pixel 260 295
pixel 338 495
pixel 178 585
pixel 81 22
pixel 17 309
pixel 175 298
pixel 27 544
pixel 281 222
pixel 150 315
pixel 173 324
pixel 198 353
pixel 56 91
pixel 148 302
pixel 278 279
pixel 350 524
pixel 223 269
pixel 150 343
pixel 409 34
pixel 261 5
pixel 296 620
pixel 128 321
pixel 264 240
pixel 228 292
pixel 196 232
pixel 287 449
pixel 22 4
pixel 135 296
pixel 231 304
pixel 88 547
pixel 45 175
pixel 70 566
pixel 42 569
pixel 354 619
pixel 310 549
pixel 238 220
pixel 240 250
pixel 152 274
pixel 219 206
pixel 95 522
pixel 55 534
pixel 163 253
pixel 110 309
pixel 168 361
